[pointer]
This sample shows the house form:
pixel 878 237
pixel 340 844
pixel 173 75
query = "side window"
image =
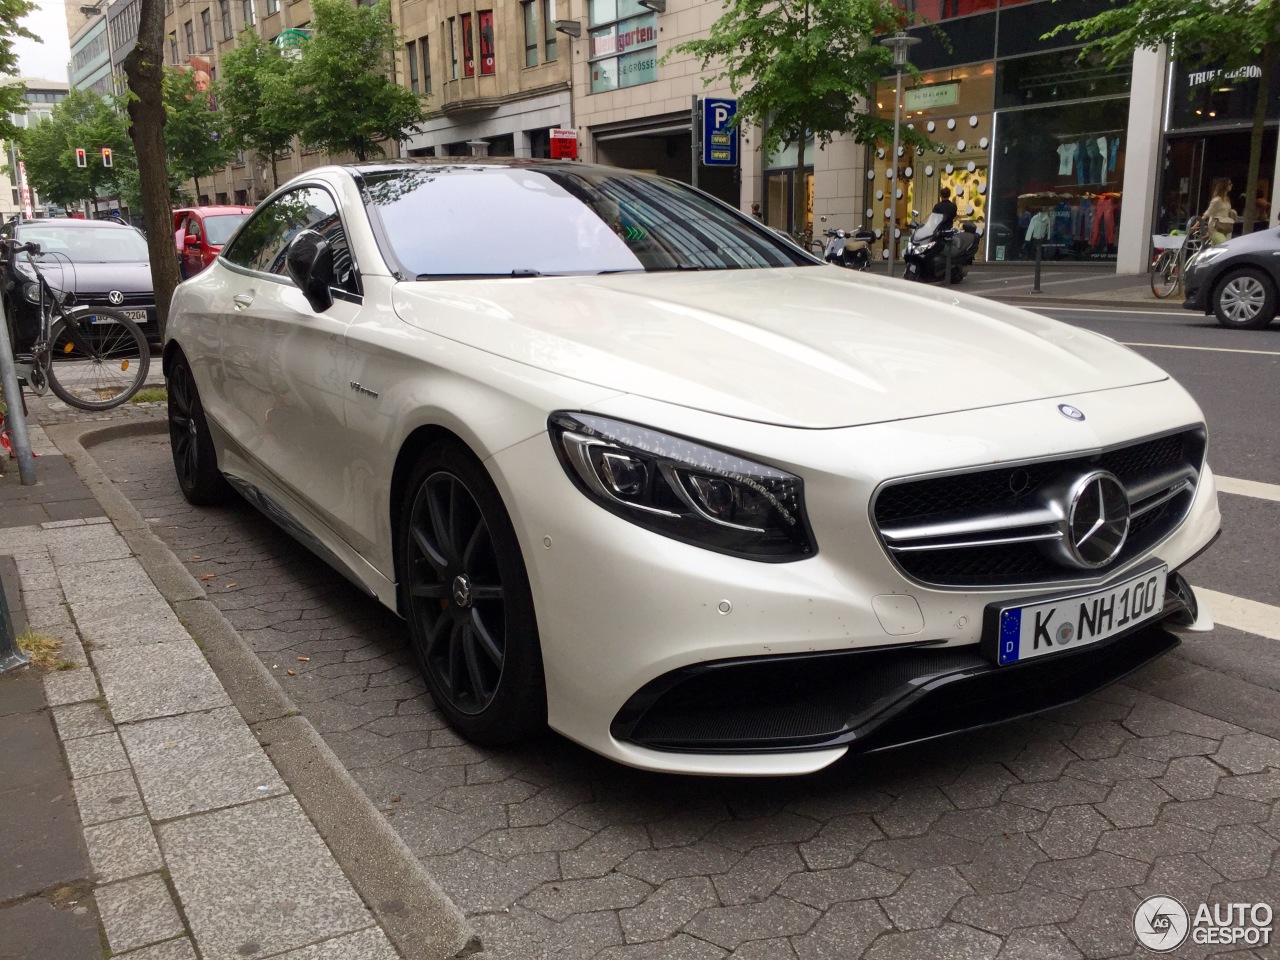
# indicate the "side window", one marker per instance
pixel 193 228
pixel 263 241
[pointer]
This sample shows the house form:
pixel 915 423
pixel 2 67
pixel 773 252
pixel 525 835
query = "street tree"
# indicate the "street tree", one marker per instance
pixel 83 120
pixel 193 131
pixel 12 13
pixel 1227 35
pixel 144 67
pixel 349 103
pixel 801 67
pixel 258 100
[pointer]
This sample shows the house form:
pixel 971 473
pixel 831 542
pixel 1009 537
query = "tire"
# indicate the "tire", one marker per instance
pixel 958 274
pixel 113 369
pixel 1244 299
pixel 194 460
pixel 1165 274
pixel 466 596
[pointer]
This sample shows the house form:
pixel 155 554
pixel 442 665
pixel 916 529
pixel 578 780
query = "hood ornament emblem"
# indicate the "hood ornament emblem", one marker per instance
pixel 116 297
pixel 1070 412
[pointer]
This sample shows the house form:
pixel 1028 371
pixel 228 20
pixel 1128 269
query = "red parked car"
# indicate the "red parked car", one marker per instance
pixel 200 232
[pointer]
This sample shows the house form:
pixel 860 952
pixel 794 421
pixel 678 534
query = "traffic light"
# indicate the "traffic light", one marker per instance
pixel 106 156
pixel 81 160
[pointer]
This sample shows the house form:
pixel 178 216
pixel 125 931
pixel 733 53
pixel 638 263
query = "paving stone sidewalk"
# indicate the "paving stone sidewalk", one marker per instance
pixel 198 847
pixel 1034 840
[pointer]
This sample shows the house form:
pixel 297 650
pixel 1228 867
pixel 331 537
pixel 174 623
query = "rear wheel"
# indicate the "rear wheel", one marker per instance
pixel 194 460
pixel 1165 274
pixel 103 365
pixel 466 596
pixel 1245 300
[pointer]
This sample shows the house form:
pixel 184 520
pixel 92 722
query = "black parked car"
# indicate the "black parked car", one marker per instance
pixel 1239 280
pixel 96 262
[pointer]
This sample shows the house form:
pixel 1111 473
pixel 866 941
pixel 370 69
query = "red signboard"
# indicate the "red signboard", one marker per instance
pixel 468 49
pixel 486 42
pixel 564 144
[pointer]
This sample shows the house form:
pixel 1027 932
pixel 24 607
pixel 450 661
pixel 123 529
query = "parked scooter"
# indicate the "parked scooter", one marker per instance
pixel 927 250
pixel 848 248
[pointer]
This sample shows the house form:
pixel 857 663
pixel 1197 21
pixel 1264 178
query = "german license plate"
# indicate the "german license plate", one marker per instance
pixel 1052 626
pixel 138 316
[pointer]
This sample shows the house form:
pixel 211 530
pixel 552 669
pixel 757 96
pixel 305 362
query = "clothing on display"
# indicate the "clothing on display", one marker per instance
pixel 1104 222
pixel 1066 158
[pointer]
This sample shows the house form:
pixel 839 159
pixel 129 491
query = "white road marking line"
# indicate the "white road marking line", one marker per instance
pixel 1248 488
pixel 1173 346
pixel 1238 613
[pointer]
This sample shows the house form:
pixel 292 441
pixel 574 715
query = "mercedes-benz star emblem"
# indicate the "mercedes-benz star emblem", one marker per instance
pixel 1070 412
pixel 462 590
pixel 1097 520
pixel 116 297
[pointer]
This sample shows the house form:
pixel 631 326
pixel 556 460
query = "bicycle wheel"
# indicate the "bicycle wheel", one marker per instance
pixel 104 365
pixel 1165 274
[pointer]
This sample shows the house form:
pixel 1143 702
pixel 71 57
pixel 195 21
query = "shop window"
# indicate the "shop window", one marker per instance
pixel 530 33
pixel 411 60
pixel 1023 26
pixel 622 52
pixel 1207 96
pixel 1057 179
pixel 426 64
pixel 484 20
pixel 1056 76
pixel 549 30
pixel 468 51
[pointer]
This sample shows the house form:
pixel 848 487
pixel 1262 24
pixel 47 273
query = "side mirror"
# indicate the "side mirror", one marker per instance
pixel 191 240
pixel 309 263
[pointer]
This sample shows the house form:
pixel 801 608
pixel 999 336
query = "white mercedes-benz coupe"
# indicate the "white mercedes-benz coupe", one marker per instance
pixel 631 465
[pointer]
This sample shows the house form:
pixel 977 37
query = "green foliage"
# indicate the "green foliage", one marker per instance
pixel 129 188
pixel 83 119
pixel 193 132
pixel 261 110
pixel 803 65
pixel 12 12
pixel 348 101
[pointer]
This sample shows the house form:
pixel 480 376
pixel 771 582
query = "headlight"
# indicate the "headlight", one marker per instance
pixel 1205 255
pixel 681 489
pixel 31 292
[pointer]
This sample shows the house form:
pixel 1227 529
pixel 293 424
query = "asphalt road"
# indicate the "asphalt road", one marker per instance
pixel 1036 840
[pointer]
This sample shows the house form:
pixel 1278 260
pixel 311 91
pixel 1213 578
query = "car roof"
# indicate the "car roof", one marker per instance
pixel 74 223
pixel 410 163
pixel 215 210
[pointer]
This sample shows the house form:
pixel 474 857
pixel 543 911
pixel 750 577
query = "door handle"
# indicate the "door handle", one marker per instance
pixel 242 300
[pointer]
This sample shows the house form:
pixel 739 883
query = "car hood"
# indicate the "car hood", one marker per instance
pixel 83 278
pixel 804 346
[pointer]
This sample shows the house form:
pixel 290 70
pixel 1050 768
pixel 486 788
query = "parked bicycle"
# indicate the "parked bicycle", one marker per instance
pixel 92 358
pixel 1172 251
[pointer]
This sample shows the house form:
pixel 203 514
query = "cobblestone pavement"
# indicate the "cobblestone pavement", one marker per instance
pixel 1035 840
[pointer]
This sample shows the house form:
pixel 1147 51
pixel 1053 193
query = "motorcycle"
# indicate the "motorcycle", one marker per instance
pixel 848 248
pixel 927 251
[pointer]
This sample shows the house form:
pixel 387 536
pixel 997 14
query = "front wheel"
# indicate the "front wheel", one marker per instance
pixel 1165 274
pixel 103 365
pixel 1245 300
pixel 466 596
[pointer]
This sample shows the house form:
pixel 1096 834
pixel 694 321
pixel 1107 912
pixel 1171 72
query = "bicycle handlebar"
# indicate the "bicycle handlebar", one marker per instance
pixel 32 248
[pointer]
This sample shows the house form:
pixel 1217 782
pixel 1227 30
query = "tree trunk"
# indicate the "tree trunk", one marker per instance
pixel 196 181
pixel 1270 56
pixel 798 192
pixel 144 66
pixel 275 173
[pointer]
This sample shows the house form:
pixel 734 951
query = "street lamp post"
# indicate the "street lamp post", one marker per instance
pixel 900 44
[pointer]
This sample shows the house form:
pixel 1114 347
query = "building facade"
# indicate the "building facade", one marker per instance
pixel 122 34
pixel 91 56
pixel 40 98
pixel 1025 133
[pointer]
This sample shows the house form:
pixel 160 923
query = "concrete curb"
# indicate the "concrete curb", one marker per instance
pixel 414 912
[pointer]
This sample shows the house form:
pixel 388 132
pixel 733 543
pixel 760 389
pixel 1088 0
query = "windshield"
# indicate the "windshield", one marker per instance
pixel 87 244
pixel 449 222
pixel 928 228
pixel 218 230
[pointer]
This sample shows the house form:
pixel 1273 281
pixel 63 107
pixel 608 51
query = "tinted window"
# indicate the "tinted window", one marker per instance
pixel 218 229
pixel 87 244
pixel 263 242
pixel 444 222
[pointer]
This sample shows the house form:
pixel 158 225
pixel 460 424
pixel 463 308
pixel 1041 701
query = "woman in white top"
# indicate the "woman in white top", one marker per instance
pixel 1219 213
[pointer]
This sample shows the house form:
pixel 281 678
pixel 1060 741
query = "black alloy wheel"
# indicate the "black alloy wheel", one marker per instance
pixel 194 459
pixel 467 599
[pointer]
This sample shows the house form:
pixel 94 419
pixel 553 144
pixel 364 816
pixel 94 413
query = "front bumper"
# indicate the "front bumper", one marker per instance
pixel 1198 285
pixel 619 608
